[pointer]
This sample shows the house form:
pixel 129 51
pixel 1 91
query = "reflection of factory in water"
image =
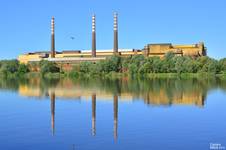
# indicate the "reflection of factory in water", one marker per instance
pixel 68 90
pixel 76 92
pixel 67 58
pixel 93 128
pixel 195 100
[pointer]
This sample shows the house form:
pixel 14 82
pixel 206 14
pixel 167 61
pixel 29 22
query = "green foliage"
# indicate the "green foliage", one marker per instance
pixel 125 64
pixel 48 67
pixel 23 69
pixel 112 63
pixel 137 64
pixel 137 60
pixel 133 69
pixel 222 65
pixel 178 64
pixel 85 67
pixel 73 73
pixel 169 56
pixel 156 64
pixel 9 66
pixel 145 68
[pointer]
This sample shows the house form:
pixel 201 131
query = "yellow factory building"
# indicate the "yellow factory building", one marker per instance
pixel 71 56
pixel 75 56
pixel 193 50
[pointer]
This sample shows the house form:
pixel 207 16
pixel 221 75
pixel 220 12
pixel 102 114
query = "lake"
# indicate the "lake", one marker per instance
pixel 139 114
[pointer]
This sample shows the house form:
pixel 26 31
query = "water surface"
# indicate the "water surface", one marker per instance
pixel 123 114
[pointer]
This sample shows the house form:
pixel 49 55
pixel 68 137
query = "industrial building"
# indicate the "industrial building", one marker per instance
pixel 93 55
pixel 193 50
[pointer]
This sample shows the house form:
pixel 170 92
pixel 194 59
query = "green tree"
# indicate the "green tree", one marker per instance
pixel 222 65
pixel 85 67
pixel 133 69
pixel 157 64
pixel 48 67
pixel 23 69
pixel 137 60
pixel 125 63
pixel 145 68
pixel 179 64
pixel 112 63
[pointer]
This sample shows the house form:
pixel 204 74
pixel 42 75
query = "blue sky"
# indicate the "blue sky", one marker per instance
pixel 25 24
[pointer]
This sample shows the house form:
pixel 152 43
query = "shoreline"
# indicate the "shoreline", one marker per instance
pixel 116 75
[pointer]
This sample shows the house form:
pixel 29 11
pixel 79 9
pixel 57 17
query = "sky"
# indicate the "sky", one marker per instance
pixel 25 24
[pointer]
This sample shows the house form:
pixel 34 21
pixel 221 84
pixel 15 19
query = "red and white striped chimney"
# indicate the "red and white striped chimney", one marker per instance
pixel 115 33
pixel 52 38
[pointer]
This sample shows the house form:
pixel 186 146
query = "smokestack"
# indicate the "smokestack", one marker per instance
pixel 94 36
pixel 52 38
pixel 115 116
pixel 52 98
pixel 93 114
pixel 115 33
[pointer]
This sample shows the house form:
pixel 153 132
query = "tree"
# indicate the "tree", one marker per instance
pixel 23 69
pixel 112 63
pixel 125 64
pixel 145 68
pixel 9 67
pixel 133 69
pixel 179 64
pixel 48 67
pixel 222 65
pixel 169 56
pixel 156 65
pixel 137 60
pixel 85 67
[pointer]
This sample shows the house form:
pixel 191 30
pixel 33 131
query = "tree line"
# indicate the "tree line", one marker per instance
pixel 137 64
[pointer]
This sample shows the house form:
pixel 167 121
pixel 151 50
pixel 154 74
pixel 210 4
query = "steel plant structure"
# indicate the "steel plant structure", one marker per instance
pixel 93 55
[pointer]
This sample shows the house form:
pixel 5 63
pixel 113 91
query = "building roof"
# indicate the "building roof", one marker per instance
pixel 160 44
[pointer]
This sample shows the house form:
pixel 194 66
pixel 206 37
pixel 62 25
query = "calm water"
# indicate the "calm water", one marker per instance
pixel 112 114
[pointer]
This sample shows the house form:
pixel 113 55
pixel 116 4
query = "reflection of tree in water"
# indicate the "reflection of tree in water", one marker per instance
pixel 158 91
pixel 151 91
pixel 9 83
pixel 46 84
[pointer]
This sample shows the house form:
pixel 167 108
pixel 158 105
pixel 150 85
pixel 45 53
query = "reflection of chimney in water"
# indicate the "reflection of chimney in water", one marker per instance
pixel 115 116
pixel 52 98
pixel 93 114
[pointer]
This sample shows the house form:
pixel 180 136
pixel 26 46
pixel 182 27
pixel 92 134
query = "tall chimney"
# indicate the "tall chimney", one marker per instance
pixel 94 114
pixel 94 36
pixel 52 38
pixel 115 33
pixel 115 116
pixel 52 98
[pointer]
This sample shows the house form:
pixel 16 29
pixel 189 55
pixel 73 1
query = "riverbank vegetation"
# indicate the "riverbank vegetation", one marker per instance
pixel 116 66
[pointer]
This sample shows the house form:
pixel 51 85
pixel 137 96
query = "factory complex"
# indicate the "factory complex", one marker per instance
pixel 76 56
